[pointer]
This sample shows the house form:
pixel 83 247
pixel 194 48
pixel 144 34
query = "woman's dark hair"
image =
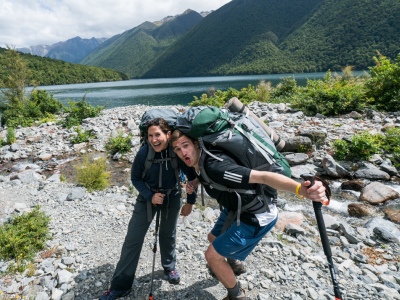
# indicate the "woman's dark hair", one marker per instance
pixel 160 122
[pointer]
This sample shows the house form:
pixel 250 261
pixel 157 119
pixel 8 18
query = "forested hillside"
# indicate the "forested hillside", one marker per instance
pixel 228 32
pixel 134 51
pixel 47 71
pixel 284 36
pixel 346 32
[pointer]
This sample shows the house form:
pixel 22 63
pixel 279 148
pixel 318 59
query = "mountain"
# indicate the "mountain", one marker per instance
pixel 39 50
pixel 134 51
pixel 72 50
pixel 284 36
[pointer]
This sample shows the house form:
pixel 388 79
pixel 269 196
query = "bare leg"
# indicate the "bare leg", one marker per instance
pixel 220 267
pixel 211 237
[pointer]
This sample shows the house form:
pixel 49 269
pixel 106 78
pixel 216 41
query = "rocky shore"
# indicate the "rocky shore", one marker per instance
pixel 88 228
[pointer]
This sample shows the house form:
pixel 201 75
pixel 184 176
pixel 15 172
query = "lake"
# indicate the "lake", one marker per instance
pixel 164 91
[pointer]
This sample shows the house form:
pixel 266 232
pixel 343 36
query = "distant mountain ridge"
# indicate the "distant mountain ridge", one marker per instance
pixel 263 37
pixel 39 50
pixel 255 37
pixel 170 18
pixel 284 36
pixel 134 51
pixel 76 49
pixel 72 50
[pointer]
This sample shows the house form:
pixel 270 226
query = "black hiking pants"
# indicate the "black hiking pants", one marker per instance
pixel 138 225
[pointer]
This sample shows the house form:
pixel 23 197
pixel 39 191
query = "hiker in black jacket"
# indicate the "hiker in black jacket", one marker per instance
pixel 158 189
pixel 240 238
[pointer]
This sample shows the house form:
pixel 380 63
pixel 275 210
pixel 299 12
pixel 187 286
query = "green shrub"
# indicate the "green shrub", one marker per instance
pixel 365 144
pixel 396 156
pixel 362 146
pixel 45 102
pixel 48 118
pixel 206 100
pixel 24 235
pixel 341 149
pixel 16 115
pixel 82 136
pixel 245 95
pixel 93 174
pixel 384 84
pixel 263 91
pixel 331 96
pixel 79 110
pixel 391 144
pixel 40 105
pixel 120 143
pixel 285 90
pixel 11 135
pixel 63 178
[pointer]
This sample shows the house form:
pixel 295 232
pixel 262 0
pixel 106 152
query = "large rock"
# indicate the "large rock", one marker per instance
pixel 392 212
pixel 376 193
pixel 372 174
pixel 289 218
pixel 297 144
pixel 332 168
pixel 353 185
pixel 360 210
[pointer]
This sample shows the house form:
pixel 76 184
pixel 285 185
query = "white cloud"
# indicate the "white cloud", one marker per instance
pixel 28 23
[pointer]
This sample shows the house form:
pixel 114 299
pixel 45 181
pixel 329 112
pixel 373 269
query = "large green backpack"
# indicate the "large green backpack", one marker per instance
pixel 241 136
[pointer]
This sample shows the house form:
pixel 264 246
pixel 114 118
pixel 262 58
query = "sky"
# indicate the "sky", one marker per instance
pixel 45 22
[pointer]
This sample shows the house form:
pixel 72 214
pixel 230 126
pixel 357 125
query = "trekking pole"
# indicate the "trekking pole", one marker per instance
pixel 323 234
pixel 202 195
pixel 154 251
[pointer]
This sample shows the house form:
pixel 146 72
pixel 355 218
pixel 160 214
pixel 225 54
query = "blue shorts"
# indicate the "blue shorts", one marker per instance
pixel 238 241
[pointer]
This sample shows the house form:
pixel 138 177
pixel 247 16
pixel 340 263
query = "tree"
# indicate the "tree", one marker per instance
pixel 14 76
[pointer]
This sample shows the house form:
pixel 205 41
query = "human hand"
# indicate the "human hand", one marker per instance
pixel 315 192
pixel 186 209
pixel 191 186
pixel 158 198
pixel 311 179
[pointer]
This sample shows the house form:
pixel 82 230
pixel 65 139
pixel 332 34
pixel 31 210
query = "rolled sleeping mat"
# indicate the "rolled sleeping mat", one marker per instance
pixel 234 105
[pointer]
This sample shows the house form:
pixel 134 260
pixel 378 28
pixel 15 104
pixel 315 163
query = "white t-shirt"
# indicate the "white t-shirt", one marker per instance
pixel 267 217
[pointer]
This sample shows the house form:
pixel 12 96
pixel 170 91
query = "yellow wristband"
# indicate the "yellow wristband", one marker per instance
pixel 298 189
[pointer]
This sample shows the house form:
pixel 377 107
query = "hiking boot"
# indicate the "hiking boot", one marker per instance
pixel 173 276
pixel 237 266
pixel 242 296
pixel 114 294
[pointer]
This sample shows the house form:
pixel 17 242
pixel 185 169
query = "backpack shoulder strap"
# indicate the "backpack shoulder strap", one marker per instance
pixel 149 159
pixel 208 180
pixel 174 164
